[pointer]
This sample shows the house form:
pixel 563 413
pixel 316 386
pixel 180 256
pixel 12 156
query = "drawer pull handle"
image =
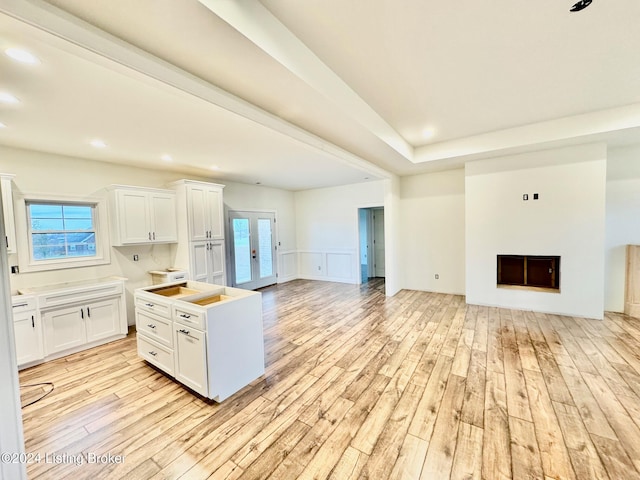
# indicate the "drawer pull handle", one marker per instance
pixel 186 332
pixel 153 353
pixel 151 325
pixel 20 305
pixel 184 315
pixel 150 305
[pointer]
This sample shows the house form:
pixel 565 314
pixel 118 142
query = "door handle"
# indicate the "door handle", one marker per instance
pixel 253 254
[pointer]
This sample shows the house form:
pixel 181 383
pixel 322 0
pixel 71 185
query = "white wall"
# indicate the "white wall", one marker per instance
pixel 623 220
pixel 238 196
pixel 568 220
pixel 327 229
pixel 432 232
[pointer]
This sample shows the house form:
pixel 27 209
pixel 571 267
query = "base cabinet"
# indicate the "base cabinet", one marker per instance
pixel 75 316
pixel 63 329
pixel 191 358
pixel 27 330
pixel 101 319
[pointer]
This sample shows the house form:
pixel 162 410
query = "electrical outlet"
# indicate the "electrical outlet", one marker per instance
pixel 437 276
pixel 136 258
pixel 15 269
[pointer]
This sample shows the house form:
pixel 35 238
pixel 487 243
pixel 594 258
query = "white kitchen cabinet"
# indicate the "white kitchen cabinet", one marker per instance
pixel 207 262
pixel 218 344
pixel 7 212
pixel 64 329
pixel 191 358
pixel 101 319
pixel 200 246
pixel 142 215
pixel 79 315
pixel 204 211
pixel 69 327
pixel 27 330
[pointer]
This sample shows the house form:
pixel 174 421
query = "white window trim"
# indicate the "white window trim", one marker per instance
pixel 103 246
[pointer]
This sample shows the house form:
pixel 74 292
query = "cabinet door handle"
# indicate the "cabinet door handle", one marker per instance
pixel 154 235
pixel 151 325
pixel 33 322
pixel 82 313
pixel 186 332
pixel 153 353
pixel 6 239
pixel 88 312
pixel 149 235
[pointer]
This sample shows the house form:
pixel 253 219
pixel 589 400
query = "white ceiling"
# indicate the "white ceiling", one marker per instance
pixel 306 94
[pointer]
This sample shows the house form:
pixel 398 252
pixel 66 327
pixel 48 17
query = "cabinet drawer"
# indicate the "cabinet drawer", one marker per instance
pixel 158 355
pixel 160 329
pixel 189 318
pixel 23 303
pixel 160 308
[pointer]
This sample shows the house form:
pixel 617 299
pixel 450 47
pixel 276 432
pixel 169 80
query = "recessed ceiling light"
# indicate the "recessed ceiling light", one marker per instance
pixel 2 125
pixel 427 133
pixel 166 157
pixel 97 143
pixel 21 56
pixel 6 97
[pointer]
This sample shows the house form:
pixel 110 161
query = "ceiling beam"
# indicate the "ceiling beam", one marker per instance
pixel 260 26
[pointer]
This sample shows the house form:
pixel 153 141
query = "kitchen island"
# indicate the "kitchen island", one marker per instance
pixel 208 337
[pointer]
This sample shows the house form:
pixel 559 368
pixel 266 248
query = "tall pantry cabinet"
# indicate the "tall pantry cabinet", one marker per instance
pixel 200 247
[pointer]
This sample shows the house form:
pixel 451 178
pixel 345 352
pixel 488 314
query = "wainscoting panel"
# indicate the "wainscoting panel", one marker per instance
pixel 287 266
pixel 331 266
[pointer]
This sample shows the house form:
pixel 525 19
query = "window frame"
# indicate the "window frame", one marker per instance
pixel 26 260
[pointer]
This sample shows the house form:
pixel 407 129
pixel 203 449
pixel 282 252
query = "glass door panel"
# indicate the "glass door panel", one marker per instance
pixel 265 247
pixel 241 250
pixel 253 249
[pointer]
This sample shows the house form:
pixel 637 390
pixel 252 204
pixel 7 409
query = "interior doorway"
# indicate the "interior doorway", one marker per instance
pixel 371 243
pixel 253 249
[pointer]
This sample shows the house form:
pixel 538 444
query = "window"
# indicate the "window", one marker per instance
pixel 56 232
pixel 61 230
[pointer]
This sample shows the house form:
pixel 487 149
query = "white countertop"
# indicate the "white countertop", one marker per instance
pixel 63 286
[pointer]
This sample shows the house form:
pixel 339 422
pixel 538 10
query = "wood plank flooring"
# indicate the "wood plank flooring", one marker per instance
pixel 359 386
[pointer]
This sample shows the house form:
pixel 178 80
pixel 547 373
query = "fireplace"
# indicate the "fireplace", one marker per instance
pixel 529 271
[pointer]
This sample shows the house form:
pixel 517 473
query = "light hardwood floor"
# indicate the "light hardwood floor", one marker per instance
pixel 358 385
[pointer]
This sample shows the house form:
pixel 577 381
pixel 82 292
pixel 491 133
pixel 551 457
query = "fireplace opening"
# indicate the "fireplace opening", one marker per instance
pixel 530 271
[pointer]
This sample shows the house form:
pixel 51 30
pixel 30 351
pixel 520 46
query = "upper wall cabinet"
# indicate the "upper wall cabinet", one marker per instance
pixel 204 209
pixel 142 215
pixel 7 211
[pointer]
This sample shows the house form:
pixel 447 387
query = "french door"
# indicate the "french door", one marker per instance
pixel 253 249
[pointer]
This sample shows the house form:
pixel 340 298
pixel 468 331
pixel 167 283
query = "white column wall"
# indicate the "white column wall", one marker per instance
pixel 568 220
